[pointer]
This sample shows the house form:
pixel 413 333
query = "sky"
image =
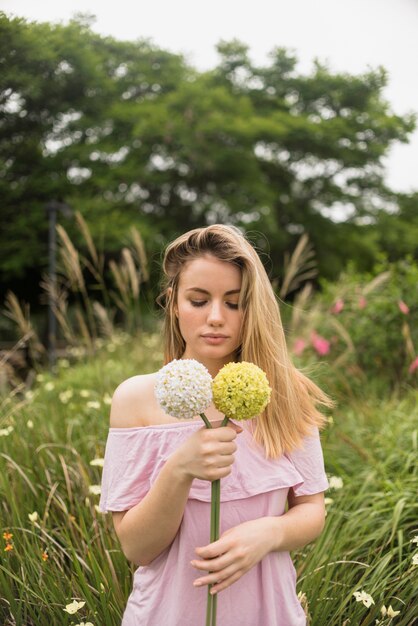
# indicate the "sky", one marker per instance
pixel 349 35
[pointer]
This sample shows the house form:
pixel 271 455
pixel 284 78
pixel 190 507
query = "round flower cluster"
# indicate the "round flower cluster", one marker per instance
pixel 241 390
pixel 184 388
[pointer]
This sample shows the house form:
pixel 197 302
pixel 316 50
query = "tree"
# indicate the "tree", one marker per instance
pixel 126 132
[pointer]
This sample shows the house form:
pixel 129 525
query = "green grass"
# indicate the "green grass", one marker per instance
pixel 366 545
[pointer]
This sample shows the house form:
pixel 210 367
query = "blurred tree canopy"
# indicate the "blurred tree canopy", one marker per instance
pixel 128 133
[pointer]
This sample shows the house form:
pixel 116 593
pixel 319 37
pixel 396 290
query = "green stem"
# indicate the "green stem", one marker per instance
pixel 215 508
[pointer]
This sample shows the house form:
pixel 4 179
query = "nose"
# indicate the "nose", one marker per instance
pixel 215 315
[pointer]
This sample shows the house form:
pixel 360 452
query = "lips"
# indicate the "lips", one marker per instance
pixel 215 336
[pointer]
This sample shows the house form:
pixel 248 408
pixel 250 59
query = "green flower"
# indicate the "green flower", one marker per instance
pixel 241 390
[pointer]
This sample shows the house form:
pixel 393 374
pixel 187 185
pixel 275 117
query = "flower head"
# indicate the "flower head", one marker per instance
pixel 320 344
pixel 362 596
pixel 184 388
pixel 95 490
pixel 241 390
pixel 73 607
pixel 335 482
pixel 389 612
pixel 99 462
pixel 33 516
pixel 403 307
pixel 415 559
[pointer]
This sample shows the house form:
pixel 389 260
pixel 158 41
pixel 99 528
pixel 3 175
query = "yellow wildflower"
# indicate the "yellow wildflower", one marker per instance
pixel 9 547
pixel 7 536
pixel 44 555
pixel 241 390
pixel 33 516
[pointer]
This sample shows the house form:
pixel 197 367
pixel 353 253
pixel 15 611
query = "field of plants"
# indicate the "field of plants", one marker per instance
pixel 60 559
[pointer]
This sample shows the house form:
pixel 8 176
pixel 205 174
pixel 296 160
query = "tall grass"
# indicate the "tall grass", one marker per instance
pixel 50 436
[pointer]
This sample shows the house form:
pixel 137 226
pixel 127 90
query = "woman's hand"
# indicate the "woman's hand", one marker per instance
pixel 235 552
pixel 207 454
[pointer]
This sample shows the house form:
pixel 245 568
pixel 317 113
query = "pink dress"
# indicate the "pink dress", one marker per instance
pixel 163 592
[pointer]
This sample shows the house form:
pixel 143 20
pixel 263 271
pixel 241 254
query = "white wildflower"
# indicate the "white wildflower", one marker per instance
pixel 29 424
pixel 33 516
pixel 98 509
pixel 389 612
pixel 49 386
pixel 73 607
pixel 29 395
pixel 65 396
pixel 84 624
pixel 93 404
pixel 85 393
pixel 335 482
pixel 415 559
pixel 5 432
pixel 184 388
pixel 64 363
pixel 95 490
pixel 328 501
pixel 97 462
pixel 107 399
pixel 40 378
pixel 362 596
pixel 414 539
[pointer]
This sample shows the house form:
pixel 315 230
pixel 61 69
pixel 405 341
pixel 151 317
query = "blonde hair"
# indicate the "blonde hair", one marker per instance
pixel 292 411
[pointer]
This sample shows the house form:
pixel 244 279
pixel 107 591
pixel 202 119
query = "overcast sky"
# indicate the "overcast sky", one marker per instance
pixel 350 35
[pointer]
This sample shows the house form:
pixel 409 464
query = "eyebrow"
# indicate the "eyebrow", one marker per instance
pixel 227 293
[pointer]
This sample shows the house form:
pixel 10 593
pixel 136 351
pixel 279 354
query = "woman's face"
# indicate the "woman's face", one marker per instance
pixel 208 313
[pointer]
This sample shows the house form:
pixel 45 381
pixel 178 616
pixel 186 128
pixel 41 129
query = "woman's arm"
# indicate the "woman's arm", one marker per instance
pixel 242 547
pixel 149 527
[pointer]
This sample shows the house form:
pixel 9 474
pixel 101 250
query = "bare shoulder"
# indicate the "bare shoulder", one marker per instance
pixel 133 402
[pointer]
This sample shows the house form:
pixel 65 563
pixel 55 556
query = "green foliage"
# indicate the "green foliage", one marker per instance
pixel 129 134
pixel 371 323
pixel 49 436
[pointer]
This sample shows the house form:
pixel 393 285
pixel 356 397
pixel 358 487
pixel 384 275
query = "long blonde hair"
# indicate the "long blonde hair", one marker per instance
pixel 292 411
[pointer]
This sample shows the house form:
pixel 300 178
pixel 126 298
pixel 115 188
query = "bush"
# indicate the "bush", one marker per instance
pixel 366 325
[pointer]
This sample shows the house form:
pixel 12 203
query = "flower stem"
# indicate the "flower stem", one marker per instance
pixel 205 419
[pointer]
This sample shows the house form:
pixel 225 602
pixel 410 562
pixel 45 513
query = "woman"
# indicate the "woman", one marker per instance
pixel 219 307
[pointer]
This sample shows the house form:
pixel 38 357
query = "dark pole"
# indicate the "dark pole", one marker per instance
pixel 52 320
pixel 52 209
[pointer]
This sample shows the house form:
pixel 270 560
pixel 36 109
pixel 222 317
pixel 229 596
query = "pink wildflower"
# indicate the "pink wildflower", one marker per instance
pixel 319 344
pixel 300 345
pixel 362 302
pixel 338 306
pixel 404 308
pixel 413 366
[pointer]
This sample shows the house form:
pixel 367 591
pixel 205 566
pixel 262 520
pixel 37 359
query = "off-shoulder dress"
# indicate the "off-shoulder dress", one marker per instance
pixel 163 592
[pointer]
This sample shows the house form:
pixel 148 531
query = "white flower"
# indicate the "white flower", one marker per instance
pixel 93 404
pixel 63 363
pixel 84 624
pixel 107 399
pixel 40 378
pixel 74 607
pixel 5 432
pixel 98 509
pixel 415 559
pixel 335 482
pixel 97 462
pixel 414 539
pixel 29 424
pixel 389 612
pixel 49 386
pixel 362 596
pixel 29 395
pixel 33 516
pixel 328 501
pixel 184 388
pixel 65 396
pixel 85 393
pixel 95 490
